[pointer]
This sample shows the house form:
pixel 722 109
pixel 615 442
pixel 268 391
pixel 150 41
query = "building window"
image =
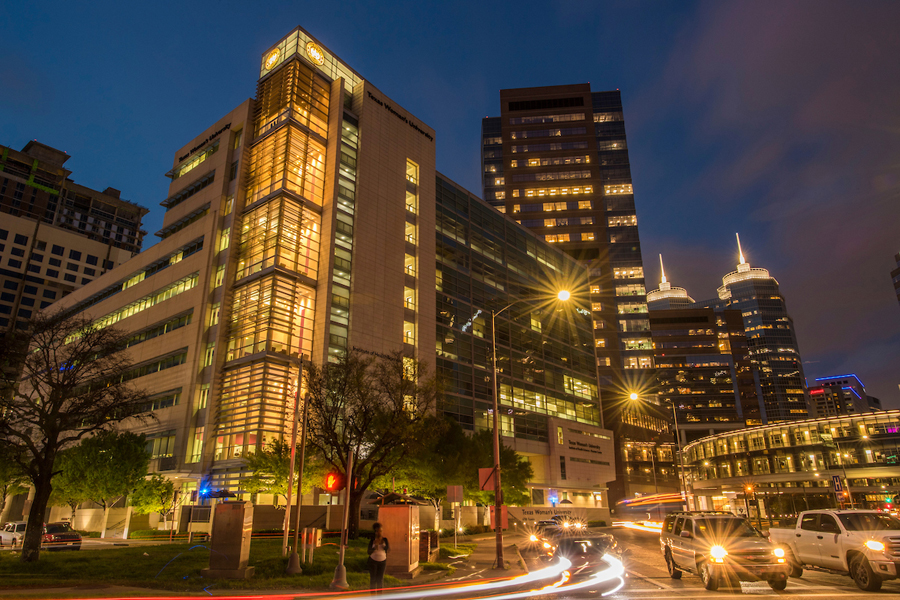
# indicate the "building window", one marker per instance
pixel 559 435
pixel 57 250
pixel 210 352
pixel 562 467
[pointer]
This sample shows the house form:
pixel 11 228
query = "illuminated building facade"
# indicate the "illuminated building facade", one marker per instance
pixel 311 220
pixel 556 161
pixel 840 395
pixel 772 342
pixel 779 470
pixel 55 235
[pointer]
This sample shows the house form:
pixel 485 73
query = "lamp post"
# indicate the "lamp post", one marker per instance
pixel 563 295
pixel 682 482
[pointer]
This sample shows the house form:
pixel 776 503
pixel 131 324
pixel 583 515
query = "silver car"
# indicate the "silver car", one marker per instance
pixel 12 533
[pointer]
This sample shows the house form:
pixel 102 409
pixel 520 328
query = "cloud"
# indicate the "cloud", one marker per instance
pixel 793 138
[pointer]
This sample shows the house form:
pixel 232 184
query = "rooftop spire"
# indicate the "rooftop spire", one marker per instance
pixel 740 252
pixel 662 269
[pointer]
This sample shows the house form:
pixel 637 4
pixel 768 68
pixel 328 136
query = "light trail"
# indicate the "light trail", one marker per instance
pixel 486 588
pixel 650 526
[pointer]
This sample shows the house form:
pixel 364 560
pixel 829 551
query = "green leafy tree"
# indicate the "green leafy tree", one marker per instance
pixel 68 486
pixel 440 462
pixel 374 408
pixel 154 494
pixel 515 471
pixel 270 466
pixel 111 465
pixel 61 380
pixel 13 480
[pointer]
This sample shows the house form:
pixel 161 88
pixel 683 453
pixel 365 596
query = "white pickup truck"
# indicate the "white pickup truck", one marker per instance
pixel 864 544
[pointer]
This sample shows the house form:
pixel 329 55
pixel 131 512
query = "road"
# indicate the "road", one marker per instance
pixel 648 579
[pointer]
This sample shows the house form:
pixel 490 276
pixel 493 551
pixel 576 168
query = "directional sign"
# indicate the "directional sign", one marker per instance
pixel 836 483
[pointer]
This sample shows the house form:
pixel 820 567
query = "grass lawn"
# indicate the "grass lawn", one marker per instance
pixel 177 567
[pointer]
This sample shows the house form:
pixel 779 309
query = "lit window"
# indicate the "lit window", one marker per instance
pixel 596 306
pixel 587 237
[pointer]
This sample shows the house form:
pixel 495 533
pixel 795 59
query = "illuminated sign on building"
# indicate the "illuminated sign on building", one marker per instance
pixel 272 59
pixel 315 53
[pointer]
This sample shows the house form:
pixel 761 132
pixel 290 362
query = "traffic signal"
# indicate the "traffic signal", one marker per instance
pixel 334 482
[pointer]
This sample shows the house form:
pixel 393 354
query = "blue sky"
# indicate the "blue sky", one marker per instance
pixel 778 120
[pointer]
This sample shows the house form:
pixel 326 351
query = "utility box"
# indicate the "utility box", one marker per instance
pixel 230 544
pixel 400 525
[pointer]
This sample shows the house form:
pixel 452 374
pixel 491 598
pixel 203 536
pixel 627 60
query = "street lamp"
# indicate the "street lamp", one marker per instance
pixel 562 295
pixel 633 396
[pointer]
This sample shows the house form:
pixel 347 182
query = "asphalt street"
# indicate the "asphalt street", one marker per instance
pixel 648 579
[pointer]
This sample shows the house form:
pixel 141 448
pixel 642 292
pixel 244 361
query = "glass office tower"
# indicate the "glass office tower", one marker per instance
pixel 556 160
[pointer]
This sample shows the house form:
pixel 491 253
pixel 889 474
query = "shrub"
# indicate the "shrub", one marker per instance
pixel 600 523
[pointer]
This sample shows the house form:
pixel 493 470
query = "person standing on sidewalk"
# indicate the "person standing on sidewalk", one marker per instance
pixel 378 549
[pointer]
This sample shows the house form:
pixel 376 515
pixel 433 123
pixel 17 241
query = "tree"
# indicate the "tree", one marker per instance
pixel 270 466
pixel 63 379
pixel 516 471
pixel 68 487
pixel 374 408
pixel 110 465
pixel 441 462
pixel 13 479
pixel 154 494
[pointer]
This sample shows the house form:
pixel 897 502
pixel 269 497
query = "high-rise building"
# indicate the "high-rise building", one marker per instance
pixel 665 296
pixel 55 235
pixel 556 160
pixel 840 395
pixel 772 341
pixel 311 220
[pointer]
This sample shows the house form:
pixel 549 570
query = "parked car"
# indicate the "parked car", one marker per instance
pixel 864 544
pixel 12 533
pixel 720 547
pixel 60 536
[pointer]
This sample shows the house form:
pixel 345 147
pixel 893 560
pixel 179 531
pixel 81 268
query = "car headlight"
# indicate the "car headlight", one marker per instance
pixel 876 546
pixel 566 524
pixel 578 525
pixel 779 552
pixel 547 545
pixel 533 538
pixel 718 553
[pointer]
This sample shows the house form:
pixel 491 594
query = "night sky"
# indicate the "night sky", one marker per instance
pixel 778 120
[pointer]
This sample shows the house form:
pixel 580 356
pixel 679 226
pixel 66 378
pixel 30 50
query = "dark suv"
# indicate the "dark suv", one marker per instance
pixel 720 547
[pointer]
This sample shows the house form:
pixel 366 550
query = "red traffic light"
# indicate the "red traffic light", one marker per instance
pixel 335 482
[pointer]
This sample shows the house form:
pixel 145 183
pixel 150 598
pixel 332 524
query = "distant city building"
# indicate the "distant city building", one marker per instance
pixel 704 370
pixel 556 160
pixel 311 220
pixel 772 341
pixel 55 235
pixel 840 395
pixel 895 275
pixel 792 467
pixel 666 297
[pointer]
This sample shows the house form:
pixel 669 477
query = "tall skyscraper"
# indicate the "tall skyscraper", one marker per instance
pixel 773 343
pixel 311 220
pixel 666 296
pixel 55 235
pixel 556 160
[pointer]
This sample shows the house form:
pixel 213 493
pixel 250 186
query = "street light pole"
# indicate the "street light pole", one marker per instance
pixel 680 455
pixel 498 501
pixel 498 496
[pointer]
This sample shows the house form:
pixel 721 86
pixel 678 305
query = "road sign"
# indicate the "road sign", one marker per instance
pixel 454 493
pixel 486 479
pixel 836 483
